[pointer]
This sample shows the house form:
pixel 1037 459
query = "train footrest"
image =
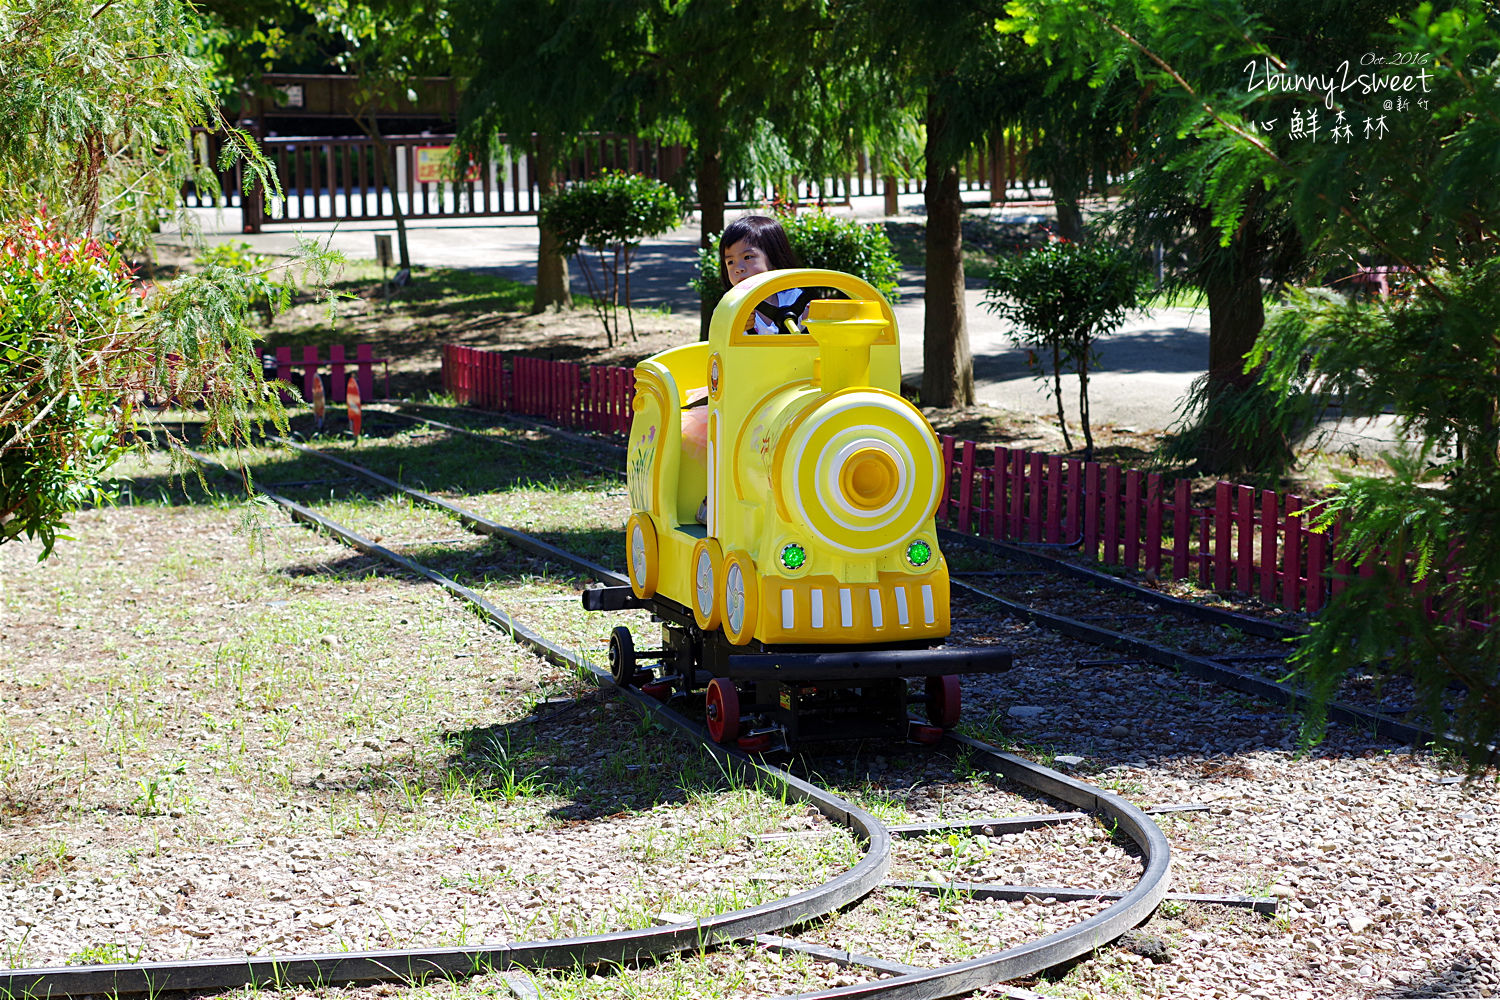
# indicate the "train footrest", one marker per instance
pixel 853 664
pixel 612 599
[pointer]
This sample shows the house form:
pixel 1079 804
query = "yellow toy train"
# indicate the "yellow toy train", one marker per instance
pixel 783 495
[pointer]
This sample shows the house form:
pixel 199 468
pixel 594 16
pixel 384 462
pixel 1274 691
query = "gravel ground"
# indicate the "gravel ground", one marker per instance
pixel 209 753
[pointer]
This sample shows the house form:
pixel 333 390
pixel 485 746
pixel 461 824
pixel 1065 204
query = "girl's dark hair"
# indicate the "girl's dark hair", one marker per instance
pixel 765 234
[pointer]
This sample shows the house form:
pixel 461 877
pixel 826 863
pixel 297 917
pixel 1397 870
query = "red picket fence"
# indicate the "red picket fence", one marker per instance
pixel 1251 541
pixel 589 397
pixel 337 362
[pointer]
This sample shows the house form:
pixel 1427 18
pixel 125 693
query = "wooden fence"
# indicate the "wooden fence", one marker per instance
pixel 1254 542
pixel 328 179
pixel 338 363
pixel 586 397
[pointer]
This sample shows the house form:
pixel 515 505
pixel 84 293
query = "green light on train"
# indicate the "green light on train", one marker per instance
pixel 793 555
pixel 918 553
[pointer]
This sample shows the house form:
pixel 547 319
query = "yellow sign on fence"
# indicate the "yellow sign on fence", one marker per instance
pixel 436 164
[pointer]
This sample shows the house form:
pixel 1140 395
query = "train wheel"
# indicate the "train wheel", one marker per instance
pixel 721 707
pixel 622 654
pixel 641 554
pixel 708 568
pixel 741 600
pixel 660 690
pixel 944 701
pixel 754 744
pixel 926 735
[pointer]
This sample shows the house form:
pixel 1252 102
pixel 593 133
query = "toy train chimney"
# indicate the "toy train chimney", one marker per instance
pixel 844 330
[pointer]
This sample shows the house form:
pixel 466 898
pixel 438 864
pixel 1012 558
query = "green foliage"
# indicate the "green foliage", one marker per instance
pixel 614 209
pixel 1429 354
pixel 239 260
pixel 1422 197
pixel 757 89
pixel 1432 358
pixel 839 244
pixel 1427 196
pixel 1381 628
pixel 98 107
pixel 612 214
pixel 819 240
pixel 1209 185
pixel 237 255
pixel 81 344
pixel 66 307
pixel 1062 297
pixel 950 64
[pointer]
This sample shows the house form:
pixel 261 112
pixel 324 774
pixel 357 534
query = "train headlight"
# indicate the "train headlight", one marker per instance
pixel 919 553
pixel 793 556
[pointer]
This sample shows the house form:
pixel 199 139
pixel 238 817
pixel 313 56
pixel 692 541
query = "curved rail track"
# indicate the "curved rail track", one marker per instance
pixel 757 923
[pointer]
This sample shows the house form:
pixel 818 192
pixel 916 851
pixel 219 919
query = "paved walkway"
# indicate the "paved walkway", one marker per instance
pixel 1143 371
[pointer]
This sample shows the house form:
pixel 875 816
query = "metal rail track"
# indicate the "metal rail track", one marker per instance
pixel 753 924
pixel 1204 667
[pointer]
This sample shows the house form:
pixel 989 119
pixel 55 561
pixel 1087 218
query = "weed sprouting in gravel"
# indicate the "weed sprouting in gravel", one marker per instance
pixel 488 756
pixel 105 953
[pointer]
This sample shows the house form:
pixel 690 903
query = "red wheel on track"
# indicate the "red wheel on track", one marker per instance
pixel 721 708
pixel 944 702
pixel 928 735
pixel 661 690
pixel 754 744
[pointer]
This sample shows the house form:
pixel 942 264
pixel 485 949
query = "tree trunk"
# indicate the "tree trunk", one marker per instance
pixel 1083 409
pixel 371 128
pixel 711 198
pixel 999 169
pixel 1235 317
pixel 947 366
pixel 711 194
pixel 1067 182
pixel 552 288
pixel 1069 214
pixel 1057 394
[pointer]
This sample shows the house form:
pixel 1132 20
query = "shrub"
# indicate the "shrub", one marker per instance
pixel 1062 297
pixel 819 240
pixel 612 214
pixel 66 307
pixel 80 343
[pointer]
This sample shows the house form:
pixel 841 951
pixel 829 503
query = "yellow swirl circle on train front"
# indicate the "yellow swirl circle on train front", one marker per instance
pixel 861 470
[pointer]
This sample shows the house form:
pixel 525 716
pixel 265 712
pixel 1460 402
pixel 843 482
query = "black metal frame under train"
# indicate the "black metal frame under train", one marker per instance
pixel 791 693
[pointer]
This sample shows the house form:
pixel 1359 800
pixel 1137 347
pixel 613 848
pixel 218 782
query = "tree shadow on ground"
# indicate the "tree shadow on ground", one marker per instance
pixel 592 752
pixel 1462 977
pixel 425 458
